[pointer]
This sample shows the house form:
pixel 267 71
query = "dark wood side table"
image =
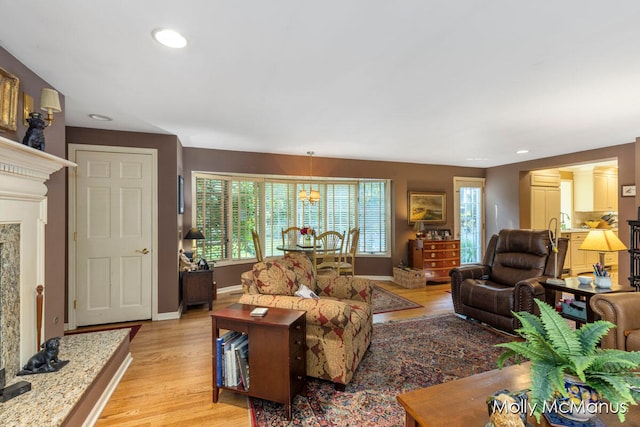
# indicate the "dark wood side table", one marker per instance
pixel 580 292
pixel 277 351
pixel 198 288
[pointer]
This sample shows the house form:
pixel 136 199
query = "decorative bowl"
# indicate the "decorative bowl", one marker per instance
pixel 603 282
pixel 593 224
pixel 585 280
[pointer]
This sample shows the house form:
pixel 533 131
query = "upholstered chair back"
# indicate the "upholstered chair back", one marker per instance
pixel 519 255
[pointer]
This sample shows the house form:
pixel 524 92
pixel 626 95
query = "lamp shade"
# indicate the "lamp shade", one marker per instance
pixel 49 100
pixel 602 240
pixel 194 234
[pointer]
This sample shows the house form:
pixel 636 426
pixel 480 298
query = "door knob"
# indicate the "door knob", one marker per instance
pixel 144 251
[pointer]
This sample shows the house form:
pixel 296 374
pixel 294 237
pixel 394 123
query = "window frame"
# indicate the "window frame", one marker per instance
pixel 317 183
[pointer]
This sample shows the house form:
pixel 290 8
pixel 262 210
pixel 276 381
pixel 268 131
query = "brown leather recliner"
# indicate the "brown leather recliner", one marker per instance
pixel 515 263
pixel 623 310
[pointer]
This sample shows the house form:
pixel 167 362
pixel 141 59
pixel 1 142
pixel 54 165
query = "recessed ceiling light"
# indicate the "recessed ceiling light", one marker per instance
pixel 169 38
pixel 100 117
pixel 522 151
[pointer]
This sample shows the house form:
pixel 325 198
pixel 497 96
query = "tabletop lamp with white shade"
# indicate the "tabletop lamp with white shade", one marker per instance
pixel 602 241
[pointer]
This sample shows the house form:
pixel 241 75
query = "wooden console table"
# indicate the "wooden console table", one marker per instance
pixel 462 403
pixel 277 351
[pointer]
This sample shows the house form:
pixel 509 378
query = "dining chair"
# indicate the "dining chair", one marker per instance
pixel 327 252
pixel 290 236
pixel 348 263
pixel 257 245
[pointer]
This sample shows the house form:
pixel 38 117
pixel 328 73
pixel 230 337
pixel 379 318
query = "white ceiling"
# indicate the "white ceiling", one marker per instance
pixel 456 82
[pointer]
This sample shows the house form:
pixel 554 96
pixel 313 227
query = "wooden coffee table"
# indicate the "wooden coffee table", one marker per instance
pixel 462 403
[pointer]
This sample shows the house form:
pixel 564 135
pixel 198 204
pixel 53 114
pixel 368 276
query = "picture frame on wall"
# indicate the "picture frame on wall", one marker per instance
pixel 180 194
pixel 8 100
pixel 628 191
pixel 427 207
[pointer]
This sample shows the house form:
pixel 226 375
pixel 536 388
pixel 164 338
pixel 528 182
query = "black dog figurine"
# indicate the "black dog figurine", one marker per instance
pixel 46 360
pixel 34 137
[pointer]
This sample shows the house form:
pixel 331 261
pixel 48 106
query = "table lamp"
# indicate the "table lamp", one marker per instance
pixel 602 240
pixel 194 234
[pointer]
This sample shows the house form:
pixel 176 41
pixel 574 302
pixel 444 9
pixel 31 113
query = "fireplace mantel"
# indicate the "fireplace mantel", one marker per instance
pixel 28 167
pixel 23 173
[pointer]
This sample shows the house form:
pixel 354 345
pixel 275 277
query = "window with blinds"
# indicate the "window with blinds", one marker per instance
pixel 227 208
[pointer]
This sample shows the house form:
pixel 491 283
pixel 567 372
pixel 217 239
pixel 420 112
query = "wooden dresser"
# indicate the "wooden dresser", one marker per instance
pixel 436 257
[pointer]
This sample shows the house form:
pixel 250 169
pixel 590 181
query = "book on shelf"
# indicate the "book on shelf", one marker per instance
pixel 219 381
pixel 242 353
pixel 221 362
pixel 232 375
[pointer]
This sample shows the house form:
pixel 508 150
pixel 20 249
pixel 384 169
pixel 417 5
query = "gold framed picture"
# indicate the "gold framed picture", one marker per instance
pixel 8 100
pixel 427 207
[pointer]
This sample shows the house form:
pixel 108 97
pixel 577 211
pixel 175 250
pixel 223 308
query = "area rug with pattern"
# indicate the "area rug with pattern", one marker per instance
pixel 385 301
pixel 403 356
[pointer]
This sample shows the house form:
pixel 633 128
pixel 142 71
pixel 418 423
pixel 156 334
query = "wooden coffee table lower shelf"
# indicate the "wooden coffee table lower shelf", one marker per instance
pixel 463 402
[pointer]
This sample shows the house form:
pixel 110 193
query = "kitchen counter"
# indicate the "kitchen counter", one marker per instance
pixel 57 397
pixel 584 230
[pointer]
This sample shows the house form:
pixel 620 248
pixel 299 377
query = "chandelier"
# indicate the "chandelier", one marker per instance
pixel 314 195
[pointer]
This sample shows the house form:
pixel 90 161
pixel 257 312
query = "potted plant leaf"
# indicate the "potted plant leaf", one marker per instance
pixel 560 355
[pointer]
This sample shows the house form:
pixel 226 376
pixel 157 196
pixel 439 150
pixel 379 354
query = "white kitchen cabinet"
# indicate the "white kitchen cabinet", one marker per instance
pixel 540 202
pixel 595 190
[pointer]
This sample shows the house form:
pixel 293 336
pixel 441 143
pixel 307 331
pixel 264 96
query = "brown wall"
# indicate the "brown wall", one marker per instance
pixel 55 231
pixel 167 199
pixel 502 191
pixel 405 177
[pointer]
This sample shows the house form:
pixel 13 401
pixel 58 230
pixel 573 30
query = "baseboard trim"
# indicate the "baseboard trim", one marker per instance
pixel 93 416
pixel 171 315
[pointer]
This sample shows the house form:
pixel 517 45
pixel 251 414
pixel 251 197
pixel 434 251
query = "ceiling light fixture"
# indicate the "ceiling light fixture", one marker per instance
pixel 169 38
pixel 314 195
pixel 100 117
pixel 522 151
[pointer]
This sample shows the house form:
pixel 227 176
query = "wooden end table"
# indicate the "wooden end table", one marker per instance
pixel 581 293
pixel 198 287
pixel 462 403
pixel 277 351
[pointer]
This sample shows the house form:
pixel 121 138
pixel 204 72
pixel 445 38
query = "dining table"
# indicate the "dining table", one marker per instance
pixel 307 249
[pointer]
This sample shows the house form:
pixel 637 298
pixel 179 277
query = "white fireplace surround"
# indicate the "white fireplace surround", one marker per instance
pixel 23 201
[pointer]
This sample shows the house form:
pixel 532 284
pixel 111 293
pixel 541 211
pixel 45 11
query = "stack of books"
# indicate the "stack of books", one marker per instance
pixel 232 360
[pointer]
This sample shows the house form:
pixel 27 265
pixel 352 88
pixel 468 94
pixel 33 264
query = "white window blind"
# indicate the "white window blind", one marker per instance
pixel 227 208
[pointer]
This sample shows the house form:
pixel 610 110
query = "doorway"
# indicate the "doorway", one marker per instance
pixel 469 226
pixel 112 235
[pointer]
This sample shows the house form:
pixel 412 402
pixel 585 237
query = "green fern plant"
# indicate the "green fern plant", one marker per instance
pixel 556 350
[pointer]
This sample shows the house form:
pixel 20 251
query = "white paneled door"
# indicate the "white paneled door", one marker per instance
pixel 114 236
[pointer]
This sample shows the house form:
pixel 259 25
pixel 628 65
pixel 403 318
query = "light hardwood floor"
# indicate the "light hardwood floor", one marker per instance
pixel 169 380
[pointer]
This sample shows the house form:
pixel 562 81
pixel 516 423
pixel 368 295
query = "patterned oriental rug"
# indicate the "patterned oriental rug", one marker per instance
pixel 385 301
pixel 403 356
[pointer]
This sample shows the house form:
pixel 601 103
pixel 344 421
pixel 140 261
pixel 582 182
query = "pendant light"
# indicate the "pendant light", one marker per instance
pixel 314 195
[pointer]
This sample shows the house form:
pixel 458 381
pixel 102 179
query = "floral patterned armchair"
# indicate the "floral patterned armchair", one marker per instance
pixel 339 322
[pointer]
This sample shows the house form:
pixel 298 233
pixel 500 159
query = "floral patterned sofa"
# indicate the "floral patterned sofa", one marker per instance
pixel 339 323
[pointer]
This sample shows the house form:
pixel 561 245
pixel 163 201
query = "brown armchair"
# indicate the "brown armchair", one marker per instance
pixel 515 263
pixel 623 310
